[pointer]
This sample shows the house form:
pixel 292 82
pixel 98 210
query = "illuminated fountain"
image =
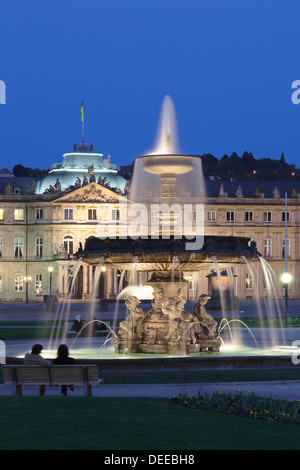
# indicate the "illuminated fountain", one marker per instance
pixel 173 184
pixel 170 180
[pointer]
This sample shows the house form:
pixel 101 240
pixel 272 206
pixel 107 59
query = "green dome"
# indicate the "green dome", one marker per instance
pixel 83 164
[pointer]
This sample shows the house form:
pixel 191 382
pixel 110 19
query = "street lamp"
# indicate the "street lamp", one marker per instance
pixel 50 270
pixel 26 280
pixel 286 279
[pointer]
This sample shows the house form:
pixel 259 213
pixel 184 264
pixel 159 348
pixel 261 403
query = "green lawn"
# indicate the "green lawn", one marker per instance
pixel 137 423
pixel 132 424
pixel 200 376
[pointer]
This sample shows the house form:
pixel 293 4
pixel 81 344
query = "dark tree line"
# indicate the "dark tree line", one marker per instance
pixel 247 167
pixel 20 170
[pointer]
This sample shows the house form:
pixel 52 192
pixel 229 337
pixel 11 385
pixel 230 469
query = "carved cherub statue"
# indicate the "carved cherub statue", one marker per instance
pixel 131 328
pixel 207 322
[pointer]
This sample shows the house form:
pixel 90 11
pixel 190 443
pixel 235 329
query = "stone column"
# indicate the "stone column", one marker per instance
pixel 85 286
pixel 91 279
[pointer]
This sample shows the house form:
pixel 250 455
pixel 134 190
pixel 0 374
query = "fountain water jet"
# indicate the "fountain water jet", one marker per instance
pixel 165 176
pixel 169 179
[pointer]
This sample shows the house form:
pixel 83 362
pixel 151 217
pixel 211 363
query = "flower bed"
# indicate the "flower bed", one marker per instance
pixel 246 405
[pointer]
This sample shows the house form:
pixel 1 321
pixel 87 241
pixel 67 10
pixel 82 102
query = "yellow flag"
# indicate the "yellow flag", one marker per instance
pixel 82 114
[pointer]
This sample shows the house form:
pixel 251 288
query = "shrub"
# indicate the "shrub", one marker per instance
pixel 246 405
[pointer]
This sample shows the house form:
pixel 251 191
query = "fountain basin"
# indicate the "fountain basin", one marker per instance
pixel 158 254
pixel 175 164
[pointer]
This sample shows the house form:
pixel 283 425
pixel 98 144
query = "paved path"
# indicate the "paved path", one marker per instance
pixel 288 390
pixel 37 311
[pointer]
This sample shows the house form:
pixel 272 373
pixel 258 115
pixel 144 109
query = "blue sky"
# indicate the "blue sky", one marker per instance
pixel 228 66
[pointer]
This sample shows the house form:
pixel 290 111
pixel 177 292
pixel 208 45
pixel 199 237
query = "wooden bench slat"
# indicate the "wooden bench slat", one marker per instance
pixel 78 374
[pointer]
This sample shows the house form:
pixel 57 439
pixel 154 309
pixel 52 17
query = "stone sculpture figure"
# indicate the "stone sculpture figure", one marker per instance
pixel 207 322
pixel 131 328
pixel 169 309
pixel 91 171
pixel 57 186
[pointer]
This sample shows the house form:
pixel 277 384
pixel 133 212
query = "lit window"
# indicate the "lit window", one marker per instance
pixel 19 214
pixel 38 283
pixel 92 214
pixel 1 214
pixel 68 214
pixel 18 282
pixel 248 281
pixel 18 242
pixel 38 247
pixel 69 244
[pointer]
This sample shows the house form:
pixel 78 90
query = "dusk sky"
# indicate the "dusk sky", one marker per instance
pixel 228 66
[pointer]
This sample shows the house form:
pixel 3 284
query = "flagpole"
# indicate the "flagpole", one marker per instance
pixel 82 119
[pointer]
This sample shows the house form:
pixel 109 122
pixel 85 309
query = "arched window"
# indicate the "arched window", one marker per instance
pixel 38 283
pixel 248 281
pixel 69 244
pixel 19 244
pixel 267 248
pixel 287 248
pixel 38 247
pixel 18 282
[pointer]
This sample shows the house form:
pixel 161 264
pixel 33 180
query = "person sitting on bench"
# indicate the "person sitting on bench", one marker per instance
pixel 64 358
pixel 35 358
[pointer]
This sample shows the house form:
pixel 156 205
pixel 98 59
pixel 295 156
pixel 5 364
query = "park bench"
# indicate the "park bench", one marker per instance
pixel 77 374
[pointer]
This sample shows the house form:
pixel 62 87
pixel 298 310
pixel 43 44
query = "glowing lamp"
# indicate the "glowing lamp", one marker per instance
pixel 286 278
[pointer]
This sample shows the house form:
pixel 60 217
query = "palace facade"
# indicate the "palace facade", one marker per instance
pixel 42 223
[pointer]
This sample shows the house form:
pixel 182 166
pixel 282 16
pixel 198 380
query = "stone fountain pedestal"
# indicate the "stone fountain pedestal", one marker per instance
pixel 167 328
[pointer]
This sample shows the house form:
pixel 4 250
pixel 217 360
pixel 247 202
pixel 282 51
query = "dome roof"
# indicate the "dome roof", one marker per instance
pixel 83 164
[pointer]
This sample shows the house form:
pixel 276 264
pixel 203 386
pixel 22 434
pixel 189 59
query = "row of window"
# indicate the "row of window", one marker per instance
pixel 68 243
pixel 230 216
pixel 249 282
pixel 268 248
pixel 19 214
pixel 249 216
pixel 19 282
pixel 92 215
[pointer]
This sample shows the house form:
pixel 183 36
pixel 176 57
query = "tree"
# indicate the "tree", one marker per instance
pixel 20 170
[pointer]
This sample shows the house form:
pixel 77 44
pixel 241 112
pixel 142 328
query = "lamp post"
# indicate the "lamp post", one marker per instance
pixel 26 280
pixel 50 270
pixel 286 279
